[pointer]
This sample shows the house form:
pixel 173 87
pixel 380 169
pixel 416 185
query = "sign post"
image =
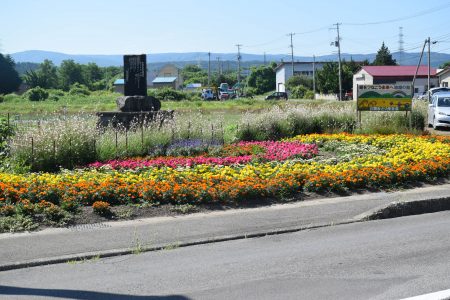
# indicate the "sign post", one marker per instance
pixel 384 97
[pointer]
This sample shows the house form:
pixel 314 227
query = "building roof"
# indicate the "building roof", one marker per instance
pixel 443 71
pixel 119 81
pixel 164 79
pixel 279 66
pixel 397 71
pixel 193 85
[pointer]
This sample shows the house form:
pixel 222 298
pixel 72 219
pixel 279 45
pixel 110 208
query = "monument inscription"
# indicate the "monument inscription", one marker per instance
pixel 135 71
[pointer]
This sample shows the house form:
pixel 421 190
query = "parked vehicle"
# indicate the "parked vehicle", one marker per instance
pixel 277 96
pixel 439 110
pixel 208 94
pixel 348 95
pixel 434 91
pixel 224 95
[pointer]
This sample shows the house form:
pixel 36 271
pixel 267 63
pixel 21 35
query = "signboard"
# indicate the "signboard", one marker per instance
pixel 384 97
pixel 135 73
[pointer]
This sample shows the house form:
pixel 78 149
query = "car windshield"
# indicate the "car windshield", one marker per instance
pixel 444 102
pixel 440 90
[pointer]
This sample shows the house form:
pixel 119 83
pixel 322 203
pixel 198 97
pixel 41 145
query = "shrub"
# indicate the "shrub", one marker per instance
pixel 101 208
pixel 79 90
pixel 298 92
pixel 36 94
pixel 309 95
pixel 299 80
pixel 2 98
pixel 7 210
pixel 168 94
pixel 250 91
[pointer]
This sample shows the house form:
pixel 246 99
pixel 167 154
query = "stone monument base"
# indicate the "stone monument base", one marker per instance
pixel 128 119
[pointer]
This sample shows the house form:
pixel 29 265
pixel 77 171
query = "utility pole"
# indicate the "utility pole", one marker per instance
pixel 239 62
pixel 264 58
pixel 292 51
pixel 400 46
pixel 338 45
pixel 429 67
pixel 418 65
pixel 218 66
pixel 209 67
pixel 314 76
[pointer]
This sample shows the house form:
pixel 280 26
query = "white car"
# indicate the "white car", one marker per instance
pixel 439 110
pixel 208 94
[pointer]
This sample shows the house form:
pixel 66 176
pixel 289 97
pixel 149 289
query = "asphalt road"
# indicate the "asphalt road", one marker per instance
pixel 386 259
pixel 440 131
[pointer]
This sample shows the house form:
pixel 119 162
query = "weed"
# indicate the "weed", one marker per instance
pixel 172 246
pixel 17 223
pixel 184 208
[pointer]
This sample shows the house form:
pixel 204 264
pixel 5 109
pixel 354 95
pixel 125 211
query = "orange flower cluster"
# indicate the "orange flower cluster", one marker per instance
pixel 407 159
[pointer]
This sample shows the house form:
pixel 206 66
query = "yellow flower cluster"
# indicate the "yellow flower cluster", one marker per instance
pixel 404 158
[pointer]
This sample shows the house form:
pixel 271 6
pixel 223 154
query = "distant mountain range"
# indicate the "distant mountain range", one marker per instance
pixel 38 56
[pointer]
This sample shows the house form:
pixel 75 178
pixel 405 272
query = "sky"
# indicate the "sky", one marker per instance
pixel 150 26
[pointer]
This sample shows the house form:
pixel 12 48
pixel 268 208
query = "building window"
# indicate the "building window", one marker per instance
pixel 445 84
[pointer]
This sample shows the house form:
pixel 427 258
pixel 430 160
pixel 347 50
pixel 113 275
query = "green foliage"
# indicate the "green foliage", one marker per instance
pixel 48 72
pixel 34 79
pixel 36 94
pixel 22 67
pixel 262 79
pixel 250 91
pixel 295 124
pixel 328 78
pixel 6 131
pixel 308 95
pixel 194 74
pixel 298 92
pixel 78 89
pixel 17 223
pixel 299 80
pixel 445 65
pixel 9 78
pixel 384 57
pixel 168 94
pixel 70 73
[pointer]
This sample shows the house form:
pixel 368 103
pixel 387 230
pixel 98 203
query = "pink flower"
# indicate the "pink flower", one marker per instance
pixel 274 151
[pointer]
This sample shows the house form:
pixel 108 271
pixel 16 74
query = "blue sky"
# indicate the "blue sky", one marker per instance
pixel 147 26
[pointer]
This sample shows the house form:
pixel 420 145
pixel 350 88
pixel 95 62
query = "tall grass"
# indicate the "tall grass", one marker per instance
pixel 68 142
pixel 59 141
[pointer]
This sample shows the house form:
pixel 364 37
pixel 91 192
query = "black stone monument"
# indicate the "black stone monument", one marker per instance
pixel 135 106
pixel 135 72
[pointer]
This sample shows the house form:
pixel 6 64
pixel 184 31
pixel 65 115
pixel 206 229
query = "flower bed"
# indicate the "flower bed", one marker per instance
pixel 240 153
pixel 281 170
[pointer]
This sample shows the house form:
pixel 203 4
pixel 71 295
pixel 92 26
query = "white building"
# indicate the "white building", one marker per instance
pixel 369 75
pixel 284 72
pixel 444 77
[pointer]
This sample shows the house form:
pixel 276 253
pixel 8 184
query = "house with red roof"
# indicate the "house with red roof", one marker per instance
pixel 369 75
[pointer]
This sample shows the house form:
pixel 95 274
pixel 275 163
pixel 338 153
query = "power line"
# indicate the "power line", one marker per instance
pixel 313 30
pixel 418 14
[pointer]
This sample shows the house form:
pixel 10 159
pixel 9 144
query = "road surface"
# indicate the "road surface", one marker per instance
pixel 386 259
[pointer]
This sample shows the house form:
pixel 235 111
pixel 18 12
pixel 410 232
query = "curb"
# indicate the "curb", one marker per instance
pixel 392 210
pixel 405 208
pixel 127 251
